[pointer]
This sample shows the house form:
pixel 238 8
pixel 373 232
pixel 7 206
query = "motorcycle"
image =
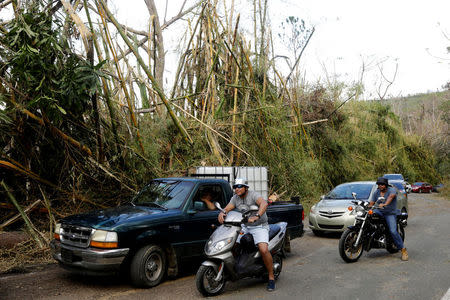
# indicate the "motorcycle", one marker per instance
pixel 228 260
pixel 369 231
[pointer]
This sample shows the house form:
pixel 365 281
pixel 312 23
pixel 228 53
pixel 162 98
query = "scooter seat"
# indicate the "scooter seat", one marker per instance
pixel 273 230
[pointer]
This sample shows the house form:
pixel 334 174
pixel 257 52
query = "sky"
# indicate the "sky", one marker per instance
pixel 408 36
pixel 385 35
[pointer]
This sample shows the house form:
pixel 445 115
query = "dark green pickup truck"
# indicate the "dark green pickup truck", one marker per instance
pixel 164 225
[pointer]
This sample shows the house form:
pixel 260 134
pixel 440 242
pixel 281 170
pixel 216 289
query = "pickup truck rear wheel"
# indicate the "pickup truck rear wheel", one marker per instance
pixel 148 266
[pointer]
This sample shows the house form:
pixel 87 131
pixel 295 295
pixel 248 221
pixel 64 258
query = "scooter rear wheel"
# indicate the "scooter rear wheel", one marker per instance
pixel 277 259
pixel 206 283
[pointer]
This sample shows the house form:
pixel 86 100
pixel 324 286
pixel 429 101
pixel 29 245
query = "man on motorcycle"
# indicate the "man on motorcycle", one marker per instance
pixel 389 211
pixel 257 225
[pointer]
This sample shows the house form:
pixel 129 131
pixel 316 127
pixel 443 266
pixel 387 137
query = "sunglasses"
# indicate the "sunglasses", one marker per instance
pixel 239 186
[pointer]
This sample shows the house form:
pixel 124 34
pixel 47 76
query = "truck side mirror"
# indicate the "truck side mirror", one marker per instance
pixel 199 205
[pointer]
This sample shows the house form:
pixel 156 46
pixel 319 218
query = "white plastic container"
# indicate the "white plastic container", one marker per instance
pixel 256 176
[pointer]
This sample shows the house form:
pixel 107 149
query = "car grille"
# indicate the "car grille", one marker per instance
pixel 75 235
pixel 331 214
pixel 324 226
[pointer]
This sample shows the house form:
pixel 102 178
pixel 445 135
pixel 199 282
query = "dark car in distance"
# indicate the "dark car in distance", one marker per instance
pixel 421 187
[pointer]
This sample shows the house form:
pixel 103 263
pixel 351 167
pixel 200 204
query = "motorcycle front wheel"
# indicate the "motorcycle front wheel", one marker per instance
pixel 348 252
pixel 206 283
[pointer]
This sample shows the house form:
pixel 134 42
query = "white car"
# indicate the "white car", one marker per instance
pixel 331 213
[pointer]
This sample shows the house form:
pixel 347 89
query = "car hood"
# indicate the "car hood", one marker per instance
pixel 114 218
pixel 336 204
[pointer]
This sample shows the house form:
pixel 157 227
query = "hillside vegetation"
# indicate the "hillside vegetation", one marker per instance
pixel 79 131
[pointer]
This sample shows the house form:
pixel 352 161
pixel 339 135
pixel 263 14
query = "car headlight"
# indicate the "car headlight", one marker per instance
pixel 212 247
pixel 312 210
pixel 104 239
pixel 57 231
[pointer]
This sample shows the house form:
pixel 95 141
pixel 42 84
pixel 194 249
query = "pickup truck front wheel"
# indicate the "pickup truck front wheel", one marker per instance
pixel 148 266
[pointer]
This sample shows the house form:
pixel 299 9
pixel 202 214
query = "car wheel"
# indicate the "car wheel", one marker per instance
pixel 148 266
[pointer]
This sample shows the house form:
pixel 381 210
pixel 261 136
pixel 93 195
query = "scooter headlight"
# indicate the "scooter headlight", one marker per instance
pixel 218 246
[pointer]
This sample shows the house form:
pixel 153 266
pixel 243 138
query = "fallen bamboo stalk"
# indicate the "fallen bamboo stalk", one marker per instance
pixel 213 130
pixel 156 87
pixel 122 81
pixel 16 217
pixel 24 216
pixel 22 170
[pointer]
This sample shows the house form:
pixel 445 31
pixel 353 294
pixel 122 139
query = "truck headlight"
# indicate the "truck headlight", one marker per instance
pixel 57 231
pixel 104 239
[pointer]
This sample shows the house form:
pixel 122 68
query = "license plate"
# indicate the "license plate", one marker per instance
pixel 66 255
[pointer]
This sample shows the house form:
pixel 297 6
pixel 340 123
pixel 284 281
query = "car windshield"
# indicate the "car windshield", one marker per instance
pixel 398 185
pixel 344 191
pixel 167 194
pixel 393 176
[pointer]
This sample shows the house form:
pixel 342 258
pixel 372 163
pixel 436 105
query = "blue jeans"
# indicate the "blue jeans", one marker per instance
pixel 391 221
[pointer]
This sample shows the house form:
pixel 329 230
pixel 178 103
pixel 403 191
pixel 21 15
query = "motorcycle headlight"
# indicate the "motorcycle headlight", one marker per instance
pixel 358 211
pixel 218 246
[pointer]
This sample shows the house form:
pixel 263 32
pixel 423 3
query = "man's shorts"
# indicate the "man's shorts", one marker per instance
pixel 260 233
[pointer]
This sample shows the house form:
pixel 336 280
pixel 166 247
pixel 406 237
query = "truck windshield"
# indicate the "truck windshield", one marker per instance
pixel 163 194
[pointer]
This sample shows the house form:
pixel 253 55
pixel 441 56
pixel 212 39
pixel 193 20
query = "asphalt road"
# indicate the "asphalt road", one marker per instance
pixel 314 270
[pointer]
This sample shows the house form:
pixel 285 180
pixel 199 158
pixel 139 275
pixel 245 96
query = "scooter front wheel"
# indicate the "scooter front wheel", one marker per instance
pixel 206 281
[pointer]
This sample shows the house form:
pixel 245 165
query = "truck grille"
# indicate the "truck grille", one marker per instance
pixel 331 214
pixel 75 235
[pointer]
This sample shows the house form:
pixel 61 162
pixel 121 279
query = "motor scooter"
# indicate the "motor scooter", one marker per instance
pixel 229 260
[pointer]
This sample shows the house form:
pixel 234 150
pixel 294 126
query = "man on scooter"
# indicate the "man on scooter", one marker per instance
pixel 389 211
pixel 257 225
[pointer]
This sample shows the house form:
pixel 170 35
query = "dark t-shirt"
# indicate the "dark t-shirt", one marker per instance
pixel 390 209
pixel 244 204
